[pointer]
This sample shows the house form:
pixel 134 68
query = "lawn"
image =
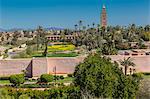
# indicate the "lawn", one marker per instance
pixel 4 82
pixel 57 48
pixel 71 54
pixel 62 55
pixel 53 51
pixel 65 80
pixel 56 51
pixel 146 76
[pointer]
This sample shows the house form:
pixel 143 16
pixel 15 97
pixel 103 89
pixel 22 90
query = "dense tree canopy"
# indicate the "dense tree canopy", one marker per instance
pixel 100 77
pixel 112 38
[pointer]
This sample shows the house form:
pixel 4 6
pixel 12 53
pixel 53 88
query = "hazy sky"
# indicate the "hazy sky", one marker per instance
pixel 66 13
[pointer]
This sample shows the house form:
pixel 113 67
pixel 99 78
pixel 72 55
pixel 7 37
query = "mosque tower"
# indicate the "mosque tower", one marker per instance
pixel 104 17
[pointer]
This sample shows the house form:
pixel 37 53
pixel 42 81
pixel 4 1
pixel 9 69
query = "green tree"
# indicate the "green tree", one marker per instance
pixel 93 25
pixel 80 24
pixel 126 63
pixel 24 96
pixel 40 36
pixel 46 78
pixel 29 50
pixel 99 77
pixel 46 47
pixel 4 94
pixel 146 36
pixel 17 79
pixel 76 27
pixel 144 90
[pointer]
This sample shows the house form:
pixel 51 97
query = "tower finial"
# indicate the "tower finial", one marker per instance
pixel 104 6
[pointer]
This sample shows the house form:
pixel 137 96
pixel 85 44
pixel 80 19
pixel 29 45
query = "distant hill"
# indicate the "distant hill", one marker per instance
pixel 17 29
pixel 14 29
pixel 2 30
pixel 54 28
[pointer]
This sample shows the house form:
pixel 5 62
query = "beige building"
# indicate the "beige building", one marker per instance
pixel 59 37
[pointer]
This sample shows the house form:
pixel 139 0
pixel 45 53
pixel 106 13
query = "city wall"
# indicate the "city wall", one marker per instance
pixel 36 66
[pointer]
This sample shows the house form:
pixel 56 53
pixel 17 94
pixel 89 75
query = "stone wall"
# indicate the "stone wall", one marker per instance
pixel 39 66
pixel 142 62
pixel 62 65
pixel 15 66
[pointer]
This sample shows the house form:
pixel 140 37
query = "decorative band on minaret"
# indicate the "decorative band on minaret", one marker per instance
pixel 104 17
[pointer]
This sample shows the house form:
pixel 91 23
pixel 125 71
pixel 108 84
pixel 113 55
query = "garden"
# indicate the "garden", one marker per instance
pixel 45 81
pixel 64 50
pixel 57 50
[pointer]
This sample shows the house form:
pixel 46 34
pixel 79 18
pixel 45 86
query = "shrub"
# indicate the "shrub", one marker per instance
pixel 56 77
pixel 63 92
pixel 4 78
pixel 138 75
pixel 46 78
pixel 36 86
pixel 24 96
pixel 17 79
pixel 148 73
pixel 146 36
pixel 144 90
pixel 31 86
pixel 61 77
pixel 4 94
pixel 123 46
pixel 70 75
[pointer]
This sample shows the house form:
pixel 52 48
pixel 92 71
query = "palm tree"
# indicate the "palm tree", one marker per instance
pixel 126 63
pixel 88 26
pixel 46 47
pixel 80 25
pixel 84 28
pixel 93 24
pixel 76 26
pixel 38 36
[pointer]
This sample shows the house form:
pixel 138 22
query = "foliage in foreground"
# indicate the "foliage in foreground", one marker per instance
pixel 17 79
pixel 144 91
pixel 69 92
pixel 100 77
pixel 46 78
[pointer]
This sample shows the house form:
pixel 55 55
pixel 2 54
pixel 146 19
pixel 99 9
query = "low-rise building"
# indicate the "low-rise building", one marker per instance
pixel 59 37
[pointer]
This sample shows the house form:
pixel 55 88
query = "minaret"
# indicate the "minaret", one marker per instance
pixel 104 17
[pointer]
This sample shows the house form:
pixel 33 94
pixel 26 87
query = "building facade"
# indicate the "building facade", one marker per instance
pixel 59 37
